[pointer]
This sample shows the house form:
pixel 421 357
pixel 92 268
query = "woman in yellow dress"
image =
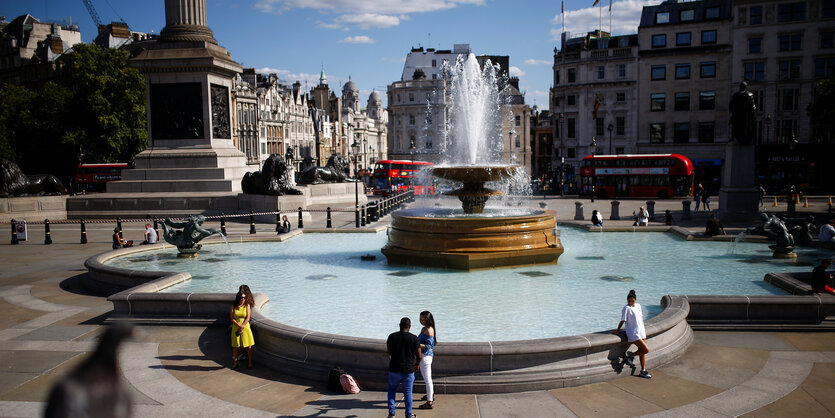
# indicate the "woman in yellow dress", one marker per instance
pixel 242 337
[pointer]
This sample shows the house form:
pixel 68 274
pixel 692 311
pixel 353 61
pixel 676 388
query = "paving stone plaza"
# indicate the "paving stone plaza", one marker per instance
pixel 53 323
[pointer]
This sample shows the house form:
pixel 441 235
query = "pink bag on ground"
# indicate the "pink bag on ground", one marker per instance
pixel 349 385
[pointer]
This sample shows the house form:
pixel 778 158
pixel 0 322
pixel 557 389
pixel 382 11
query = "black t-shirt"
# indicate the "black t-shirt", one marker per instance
pixel 818 277
pixel 402 346
pixel 713 227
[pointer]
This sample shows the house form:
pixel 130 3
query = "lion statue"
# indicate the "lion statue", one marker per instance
pixel 333 172
pixel 14 183
pixel 271 180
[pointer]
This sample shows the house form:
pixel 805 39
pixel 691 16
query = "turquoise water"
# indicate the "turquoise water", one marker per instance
pixel 318 282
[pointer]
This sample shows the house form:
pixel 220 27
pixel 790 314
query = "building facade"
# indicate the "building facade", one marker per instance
pixel 30 49
pixel 594 98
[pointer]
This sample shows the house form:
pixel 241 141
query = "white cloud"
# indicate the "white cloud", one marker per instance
pixel 538 93
pixel 389 7
pixel 369 20
pixel 360 39
pixel 270 70
pixel 325 25
pixel 626 15
pixel 516 72
pixel 531 61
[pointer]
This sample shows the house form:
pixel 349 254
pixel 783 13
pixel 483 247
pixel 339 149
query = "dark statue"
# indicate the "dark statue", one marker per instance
pixel 14 183
pixel 802 229
pixel 186 240
pixel 176 111
pixel 271 180
pixel 332 172
pixel 220 112
pixel 774 228
pixel 743 118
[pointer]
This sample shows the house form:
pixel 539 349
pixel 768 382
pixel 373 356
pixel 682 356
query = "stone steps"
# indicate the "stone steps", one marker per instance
pixel 208 173
pixel 174 186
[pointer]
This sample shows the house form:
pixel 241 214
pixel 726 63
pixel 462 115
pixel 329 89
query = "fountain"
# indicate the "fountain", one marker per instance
pixel 774 228
pixel 474 237
pixel 186 240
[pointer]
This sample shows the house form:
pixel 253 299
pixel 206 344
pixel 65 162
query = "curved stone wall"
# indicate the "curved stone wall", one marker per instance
pixel 459 367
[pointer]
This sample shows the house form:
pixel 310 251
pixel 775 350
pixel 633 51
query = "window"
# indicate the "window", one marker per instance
pixel 571 99
pixel 619 151
pixel 709 36
pixel 754 71
pixel 518 142
pixel 827 39
pixel 620 97
pixel 682 71
pixel 601 72
pixel 789 99
pixel 518 120
pixel 707 100
pixel 755 45
pixel 398 98
pixel 686 15
pixel 707 70
pixel 572 75
pixel 434 63
pixel 569 126
pixel 411 97
pixel 682 101
pixel 828 8
pixel 755 15
pixel 785 130
pixel 659 72
pixel 681 133
pixel 411 119
pixel 824 66
pixel 657 102
pixel 790 41
pixel 598 126
pixel 711 13
pixel 683 38
pixel 620 125
pixel 758 98
pixel 706 132
pixel 662 17
pixel 659 41
pixel 428 143
pixel 656 133
pixel 791 12
pixel 571 153
pixel 621 70
pixel 557 77
pixel 398 120
pixel 789 69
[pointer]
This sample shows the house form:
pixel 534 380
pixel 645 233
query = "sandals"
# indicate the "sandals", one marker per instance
pixel 426 405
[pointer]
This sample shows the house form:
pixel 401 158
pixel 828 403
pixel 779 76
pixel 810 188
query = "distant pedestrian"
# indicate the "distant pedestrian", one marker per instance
pixel 285 224
pixel 241 333
pixel 705 200
pixel 714 226
pixel 118 241
pixel 427 339
pixel 150 235
pixel 668 217
pixel 762 196
pixel 641 217
pixel 633 317
pixel 820 278
pixel 404 349
pixel 596 218
pixel 827 232
pixel 699 195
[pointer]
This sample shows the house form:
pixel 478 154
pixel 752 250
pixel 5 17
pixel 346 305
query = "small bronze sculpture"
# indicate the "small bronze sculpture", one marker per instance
pixel 743 118
pixel 14 183
pixel 187 239
pixel 774 228
pixel 333 172
pixel 271 180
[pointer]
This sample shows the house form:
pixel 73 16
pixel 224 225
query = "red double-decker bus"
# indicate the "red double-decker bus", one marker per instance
pixel 648 175
pixel 393 176
pixel 93 177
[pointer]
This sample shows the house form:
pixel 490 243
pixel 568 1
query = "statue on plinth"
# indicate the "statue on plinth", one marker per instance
pixel 772 226
pixel 186 240
pixel 332 172
pixel 14 183
pixel 273 179
pixel 743 118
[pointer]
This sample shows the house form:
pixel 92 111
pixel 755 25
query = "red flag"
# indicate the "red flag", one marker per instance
pixel 595 3
pixel 596 106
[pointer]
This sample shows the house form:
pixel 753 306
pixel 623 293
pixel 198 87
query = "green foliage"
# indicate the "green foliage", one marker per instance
pixel 98 108
pixel 822 110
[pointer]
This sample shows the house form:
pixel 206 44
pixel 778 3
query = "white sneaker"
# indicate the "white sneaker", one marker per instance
pixel 645 374
pixel 628 361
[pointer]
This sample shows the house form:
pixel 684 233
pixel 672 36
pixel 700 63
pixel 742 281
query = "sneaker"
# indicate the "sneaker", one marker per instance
pixel 412 416
pixel 645 374
pixel 628 361
pixel 391 416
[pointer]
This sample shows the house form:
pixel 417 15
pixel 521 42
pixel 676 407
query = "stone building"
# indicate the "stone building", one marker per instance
pixel 118 34
pixel 30 49
pixel 418 107
pixel 542 144
pixel 595 86
pixel 685 83
pixel 368 128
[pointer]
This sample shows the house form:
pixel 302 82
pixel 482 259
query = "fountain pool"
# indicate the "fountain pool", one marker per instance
pixel 318 282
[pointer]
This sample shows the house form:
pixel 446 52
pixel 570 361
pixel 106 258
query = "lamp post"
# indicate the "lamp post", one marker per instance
pixel 611 128
pixel 560 120
pixel 767 128
pixel 355 147
pixel 412 149
pixel 592 148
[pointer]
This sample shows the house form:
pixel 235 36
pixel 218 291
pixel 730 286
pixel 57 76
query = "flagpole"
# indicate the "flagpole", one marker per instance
pixel 610 17
pixel 600 13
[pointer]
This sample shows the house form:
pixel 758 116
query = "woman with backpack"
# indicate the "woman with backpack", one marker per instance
pixel 427 341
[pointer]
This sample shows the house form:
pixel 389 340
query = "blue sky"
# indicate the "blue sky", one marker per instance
pixel 365 39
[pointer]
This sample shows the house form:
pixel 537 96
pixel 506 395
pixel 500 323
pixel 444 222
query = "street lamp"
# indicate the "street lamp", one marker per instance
pixel 560 120
pixel 767 128
pixel 412 149
pixel 611 128
pixel 355 147
pixel 592 148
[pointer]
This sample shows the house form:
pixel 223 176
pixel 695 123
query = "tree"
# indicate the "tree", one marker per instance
pixel 822 110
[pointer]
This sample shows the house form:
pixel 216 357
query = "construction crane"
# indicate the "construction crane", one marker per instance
pixel 93 13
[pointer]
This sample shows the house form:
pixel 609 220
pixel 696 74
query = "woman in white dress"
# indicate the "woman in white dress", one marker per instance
pixel 633 317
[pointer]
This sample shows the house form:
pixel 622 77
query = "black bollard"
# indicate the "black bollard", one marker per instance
pixel 47 236
pixel 329 225
pixel 222 224
pixel 156 225
pixel 301 222
pixel 119 225
pixel 372 212
pixel 14 233
pixel 251 223
pixel 357 217
pixel 362 216
pixel 278 228
pixel 83 231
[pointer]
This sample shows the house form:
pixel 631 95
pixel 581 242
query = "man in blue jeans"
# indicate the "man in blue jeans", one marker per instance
pixel 404 349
